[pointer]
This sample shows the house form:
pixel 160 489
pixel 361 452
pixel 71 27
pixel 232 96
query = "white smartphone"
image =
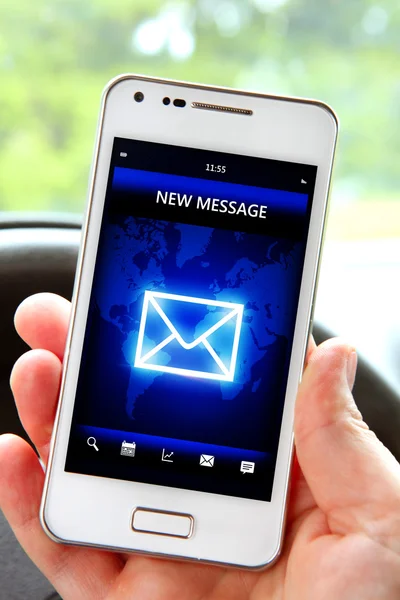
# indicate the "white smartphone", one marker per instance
pixel 190 320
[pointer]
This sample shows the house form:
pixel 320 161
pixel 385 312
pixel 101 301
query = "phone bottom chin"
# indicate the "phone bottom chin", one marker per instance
pixel 265 560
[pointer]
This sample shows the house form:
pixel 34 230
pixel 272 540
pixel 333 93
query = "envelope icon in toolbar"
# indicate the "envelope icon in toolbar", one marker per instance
pixel 188 336
pixel 207 460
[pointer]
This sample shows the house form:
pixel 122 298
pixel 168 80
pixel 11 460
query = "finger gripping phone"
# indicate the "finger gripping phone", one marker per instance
pixel 190 320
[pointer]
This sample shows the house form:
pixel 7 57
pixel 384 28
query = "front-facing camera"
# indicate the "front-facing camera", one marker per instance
pixel 139 96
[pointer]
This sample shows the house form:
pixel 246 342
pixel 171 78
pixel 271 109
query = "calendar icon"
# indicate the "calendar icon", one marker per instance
pixel 128 449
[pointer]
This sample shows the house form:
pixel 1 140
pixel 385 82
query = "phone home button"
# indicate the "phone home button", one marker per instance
pixel 162 522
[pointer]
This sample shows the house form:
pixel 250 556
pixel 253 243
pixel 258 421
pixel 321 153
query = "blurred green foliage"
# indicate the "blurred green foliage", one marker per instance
pixel 57 55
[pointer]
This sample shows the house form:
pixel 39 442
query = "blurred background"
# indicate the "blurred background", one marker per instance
pixel 57 55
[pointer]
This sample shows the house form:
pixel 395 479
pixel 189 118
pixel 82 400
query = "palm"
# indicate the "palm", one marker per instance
pixel 343 534
pixel 312 559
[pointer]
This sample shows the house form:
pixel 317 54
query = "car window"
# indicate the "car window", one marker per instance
pixel 57 55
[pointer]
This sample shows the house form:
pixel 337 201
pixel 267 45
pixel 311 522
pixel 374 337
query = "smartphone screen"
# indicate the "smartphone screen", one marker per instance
pixel 191 319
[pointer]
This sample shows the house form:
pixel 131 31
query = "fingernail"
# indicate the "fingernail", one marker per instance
pixel 351 368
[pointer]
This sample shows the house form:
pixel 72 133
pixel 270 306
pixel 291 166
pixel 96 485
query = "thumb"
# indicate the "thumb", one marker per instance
pixel 355 480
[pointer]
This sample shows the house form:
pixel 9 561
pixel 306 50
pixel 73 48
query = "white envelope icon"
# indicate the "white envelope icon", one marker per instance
pixel 207 460
pixel 156 316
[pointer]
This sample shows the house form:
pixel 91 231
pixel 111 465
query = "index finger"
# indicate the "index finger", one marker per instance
pixel 42 322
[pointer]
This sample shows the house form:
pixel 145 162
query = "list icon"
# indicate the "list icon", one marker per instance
pixel 247 467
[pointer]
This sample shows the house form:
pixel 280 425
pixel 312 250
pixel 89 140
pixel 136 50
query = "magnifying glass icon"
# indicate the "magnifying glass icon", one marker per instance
pixel 91 441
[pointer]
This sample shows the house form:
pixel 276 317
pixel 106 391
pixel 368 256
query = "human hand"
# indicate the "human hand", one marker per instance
pixel 343 529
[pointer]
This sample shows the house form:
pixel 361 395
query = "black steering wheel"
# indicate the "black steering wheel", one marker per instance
pixel 39 254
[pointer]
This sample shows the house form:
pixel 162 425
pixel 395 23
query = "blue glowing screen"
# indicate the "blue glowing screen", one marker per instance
pixel 190 324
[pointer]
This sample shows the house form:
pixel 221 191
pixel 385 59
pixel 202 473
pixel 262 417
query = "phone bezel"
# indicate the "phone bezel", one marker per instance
pixel 233 531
